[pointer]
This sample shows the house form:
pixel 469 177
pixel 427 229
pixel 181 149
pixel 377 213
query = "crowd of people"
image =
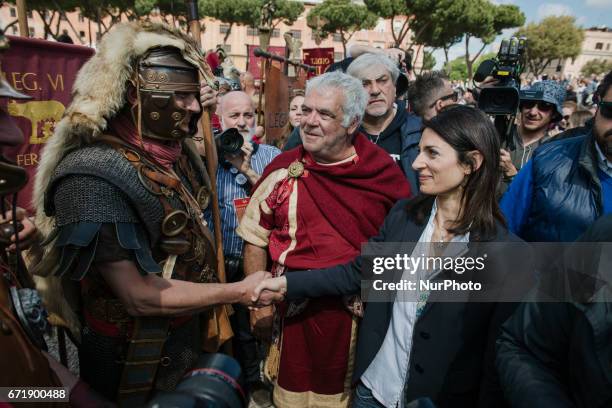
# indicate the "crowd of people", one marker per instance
pixel 123 235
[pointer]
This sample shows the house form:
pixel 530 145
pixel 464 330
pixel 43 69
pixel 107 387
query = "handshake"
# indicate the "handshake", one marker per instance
pixel 260 289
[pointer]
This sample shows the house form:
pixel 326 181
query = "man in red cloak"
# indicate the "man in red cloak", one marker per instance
pixel 312 208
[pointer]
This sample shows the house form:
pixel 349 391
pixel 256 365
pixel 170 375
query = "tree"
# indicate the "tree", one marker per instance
pixel 249 12
pixel 429 61
pixel 107 13
pixel 596 66
pixel 550 39
pixel 51 13
pixel 457 68
pixel 341 17
pixel 392 9
pixel 234 12
pixel 287 12
pixel 170 11
pixel 483 20
pixel 433 25
pixel 272 13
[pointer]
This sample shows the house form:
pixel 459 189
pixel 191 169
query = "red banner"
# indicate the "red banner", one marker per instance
pixel 46 71
pixel 254 63
pixel 320 58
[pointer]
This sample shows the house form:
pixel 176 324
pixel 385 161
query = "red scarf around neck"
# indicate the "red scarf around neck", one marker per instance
pixel 164 153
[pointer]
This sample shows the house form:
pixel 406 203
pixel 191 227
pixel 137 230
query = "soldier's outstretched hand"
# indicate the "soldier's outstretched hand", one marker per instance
pixel 249 284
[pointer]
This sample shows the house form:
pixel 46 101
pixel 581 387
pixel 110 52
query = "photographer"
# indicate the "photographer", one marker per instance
pixel 236 174
pixel 539 106
pixel 568 184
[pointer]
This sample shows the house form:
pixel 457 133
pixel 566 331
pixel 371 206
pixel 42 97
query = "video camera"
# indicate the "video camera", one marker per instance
pixel 502 98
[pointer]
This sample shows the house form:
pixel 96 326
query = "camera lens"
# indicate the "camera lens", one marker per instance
pixel 499 100
pixel 215 382
pixel 229 141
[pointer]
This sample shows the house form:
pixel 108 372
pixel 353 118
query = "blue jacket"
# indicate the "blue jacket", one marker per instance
pixel 559 193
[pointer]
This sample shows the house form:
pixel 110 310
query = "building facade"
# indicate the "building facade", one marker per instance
pixel 597 44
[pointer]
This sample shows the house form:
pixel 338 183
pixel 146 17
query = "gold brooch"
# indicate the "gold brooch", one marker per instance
pixel 296 169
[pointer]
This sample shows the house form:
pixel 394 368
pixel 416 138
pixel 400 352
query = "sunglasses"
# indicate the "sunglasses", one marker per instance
pixel 454 97
pixel 605 109
pixel 542 106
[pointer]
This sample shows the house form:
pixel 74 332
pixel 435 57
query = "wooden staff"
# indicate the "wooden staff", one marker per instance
pixel 263 68
pixel 211 149
pixel 22 17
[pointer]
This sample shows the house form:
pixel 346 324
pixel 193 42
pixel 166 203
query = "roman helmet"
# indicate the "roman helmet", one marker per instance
pixel 161 74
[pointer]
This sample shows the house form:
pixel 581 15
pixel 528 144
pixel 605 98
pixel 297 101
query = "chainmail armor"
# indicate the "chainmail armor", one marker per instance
pixel 183 348
pixel 75 193
pixel 116 177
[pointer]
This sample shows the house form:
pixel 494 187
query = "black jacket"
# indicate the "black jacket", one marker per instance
pixel 558 355
pixel 452 358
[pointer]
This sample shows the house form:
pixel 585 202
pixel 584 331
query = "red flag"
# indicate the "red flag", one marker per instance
pixel 46 71
pixel 320 58
pixel 254 63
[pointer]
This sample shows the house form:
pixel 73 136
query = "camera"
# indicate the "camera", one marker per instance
pixel 216 381
pixel 229 142
pixel 503 98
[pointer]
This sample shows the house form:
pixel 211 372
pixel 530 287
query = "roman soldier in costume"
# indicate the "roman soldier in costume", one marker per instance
pixel 313 208
pixel 119 193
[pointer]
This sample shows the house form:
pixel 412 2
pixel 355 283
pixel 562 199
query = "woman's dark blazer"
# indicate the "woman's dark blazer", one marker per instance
pixel 452 358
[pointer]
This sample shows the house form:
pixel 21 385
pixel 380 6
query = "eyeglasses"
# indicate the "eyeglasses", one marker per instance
pixel 454 97
pixel 605 108
pixel 543 106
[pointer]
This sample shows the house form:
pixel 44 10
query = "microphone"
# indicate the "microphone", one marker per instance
pixel 484 70
pixel 258 52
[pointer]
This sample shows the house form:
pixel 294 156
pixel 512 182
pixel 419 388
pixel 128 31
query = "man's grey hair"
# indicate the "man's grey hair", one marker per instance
pixel 425 90
pixel 355 96
pixel 366 62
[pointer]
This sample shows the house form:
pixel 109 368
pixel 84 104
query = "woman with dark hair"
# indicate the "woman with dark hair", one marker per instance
pixel 423 347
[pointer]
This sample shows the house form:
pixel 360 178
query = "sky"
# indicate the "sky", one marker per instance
pixel 588 13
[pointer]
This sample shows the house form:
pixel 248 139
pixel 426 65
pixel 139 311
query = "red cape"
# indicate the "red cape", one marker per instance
pixel 354 198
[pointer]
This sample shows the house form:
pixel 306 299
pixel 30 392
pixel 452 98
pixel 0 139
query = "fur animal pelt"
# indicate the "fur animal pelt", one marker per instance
pixel 99 92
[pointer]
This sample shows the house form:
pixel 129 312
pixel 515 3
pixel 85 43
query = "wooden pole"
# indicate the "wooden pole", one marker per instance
pixel 22 16
pixel 211 149
pixel 262 80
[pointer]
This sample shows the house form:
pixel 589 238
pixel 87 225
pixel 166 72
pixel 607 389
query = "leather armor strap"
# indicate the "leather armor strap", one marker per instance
pixel 142 360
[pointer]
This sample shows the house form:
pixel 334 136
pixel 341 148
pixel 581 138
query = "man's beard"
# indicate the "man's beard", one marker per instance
pixel 247 133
